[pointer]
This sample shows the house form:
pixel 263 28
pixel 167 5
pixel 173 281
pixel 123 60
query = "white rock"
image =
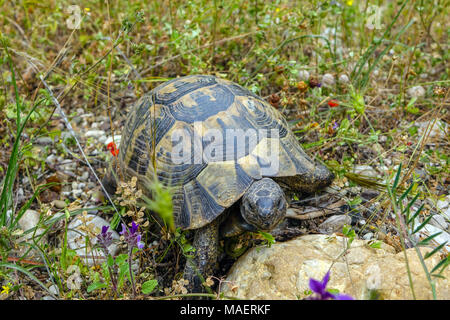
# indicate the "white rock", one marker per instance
pixel 54 289
pixel 368 236
pixel 76 238
pixel 442 204
pixel 84 176
pixel 328 80
pixel 334 224
pixel 343 78
pixel 446 213
pixel 116 140
pixel 439 221
pixel 365 170
pixel 44 141
pixel 416 92
pixel 437 130
pixel 102 139
pixel 51 159
pixel 283 271
pixel 77 193
pixel 94 133
pixel 30 220
pixel 303 75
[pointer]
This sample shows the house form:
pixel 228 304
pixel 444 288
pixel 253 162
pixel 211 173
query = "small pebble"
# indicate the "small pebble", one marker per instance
pixel 54 290
pixel 368 236
pixel 77 193
pixel 84 176
pixel 59 204
pixel 344 78
pixel 44 141
pixel 334 224
pixel 95 133
pixel 442 204
pixel 365 170
pixel 303 75
pixel 416 92
pixel 51 159
pixel 328 80
pixel 116 140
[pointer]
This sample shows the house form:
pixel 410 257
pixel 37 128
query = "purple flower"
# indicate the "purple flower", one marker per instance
pixel 320 289
pixel 335 125
pixel 132 236
pixel 105 238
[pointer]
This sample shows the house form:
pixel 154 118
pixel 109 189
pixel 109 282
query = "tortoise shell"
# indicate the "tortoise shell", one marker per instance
pixel 189 109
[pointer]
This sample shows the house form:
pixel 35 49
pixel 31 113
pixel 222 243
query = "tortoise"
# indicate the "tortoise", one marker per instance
pixel 229 157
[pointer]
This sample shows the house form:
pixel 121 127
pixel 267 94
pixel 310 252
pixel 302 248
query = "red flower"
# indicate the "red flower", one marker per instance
pixel 333 103
pixel 113 148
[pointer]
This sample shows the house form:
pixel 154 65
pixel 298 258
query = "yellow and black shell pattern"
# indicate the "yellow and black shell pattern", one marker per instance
pixel 204 186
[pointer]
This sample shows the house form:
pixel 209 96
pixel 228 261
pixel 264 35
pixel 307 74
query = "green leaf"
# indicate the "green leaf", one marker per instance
pixel 355 201
pixel 424 242
pixel 443 263
pixel 423 224
pixel 405 194
pixel 416 214
pixel 110 261
pixel 268 237
pixel 410 107
pixel 410 204
pixel 96 286
pixel 397 178
pixel 115 221
pixel 149 286
pixel 375 244
pixel 431 253
pixel 349 233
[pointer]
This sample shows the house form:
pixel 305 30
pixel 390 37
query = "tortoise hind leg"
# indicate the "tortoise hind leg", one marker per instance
pixel 206 244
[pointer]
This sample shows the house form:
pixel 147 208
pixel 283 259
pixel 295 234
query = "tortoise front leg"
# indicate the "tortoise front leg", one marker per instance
pixel 206 244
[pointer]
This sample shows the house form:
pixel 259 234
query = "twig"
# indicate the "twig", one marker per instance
pixel 299 214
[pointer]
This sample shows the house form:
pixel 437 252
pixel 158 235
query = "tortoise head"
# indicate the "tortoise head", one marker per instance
pixel 263 206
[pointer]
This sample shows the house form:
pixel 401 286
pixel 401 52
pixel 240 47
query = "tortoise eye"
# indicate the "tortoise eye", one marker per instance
pixel 252 205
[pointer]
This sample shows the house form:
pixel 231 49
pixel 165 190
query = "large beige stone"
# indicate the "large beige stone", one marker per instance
pixel 283 270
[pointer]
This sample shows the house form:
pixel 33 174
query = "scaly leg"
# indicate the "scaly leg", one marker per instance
pixel 206 244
